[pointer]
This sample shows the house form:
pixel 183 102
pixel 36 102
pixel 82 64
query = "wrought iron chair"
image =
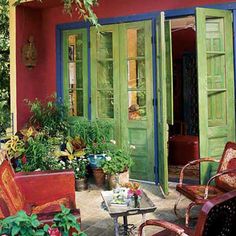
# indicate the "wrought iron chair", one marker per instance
pixel 225 180
pixel 217 217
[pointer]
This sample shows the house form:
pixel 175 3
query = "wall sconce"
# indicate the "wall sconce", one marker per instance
pixel 29 53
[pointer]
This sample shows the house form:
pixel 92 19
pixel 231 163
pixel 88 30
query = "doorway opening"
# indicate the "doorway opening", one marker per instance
pixel 183 134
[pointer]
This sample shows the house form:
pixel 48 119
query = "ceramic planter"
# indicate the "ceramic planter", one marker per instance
pixel 95 160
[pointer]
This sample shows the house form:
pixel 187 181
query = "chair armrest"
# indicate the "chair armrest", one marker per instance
pixel 40 187
pixel 164 224
pixel 225 172
pixel 195 162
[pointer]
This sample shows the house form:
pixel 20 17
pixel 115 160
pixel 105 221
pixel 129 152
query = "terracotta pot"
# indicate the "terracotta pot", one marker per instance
pixel 99 176
pixel 124 177
pixel 81 184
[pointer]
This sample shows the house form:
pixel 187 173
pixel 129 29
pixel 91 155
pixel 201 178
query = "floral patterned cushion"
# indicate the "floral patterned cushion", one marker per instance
pixel 227 182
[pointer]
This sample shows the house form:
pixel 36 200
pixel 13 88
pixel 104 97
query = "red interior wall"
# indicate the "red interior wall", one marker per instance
pixel 41 23
pixel 183 41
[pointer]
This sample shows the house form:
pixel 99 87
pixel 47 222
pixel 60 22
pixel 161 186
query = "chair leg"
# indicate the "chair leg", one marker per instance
pixel 187 214
pixel 176 204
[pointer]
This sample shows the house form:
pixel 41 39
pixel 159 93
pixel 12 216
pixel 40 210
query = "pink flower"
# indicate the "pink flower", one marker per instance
pixel 138 192
pixel 54 232
pixel 24 160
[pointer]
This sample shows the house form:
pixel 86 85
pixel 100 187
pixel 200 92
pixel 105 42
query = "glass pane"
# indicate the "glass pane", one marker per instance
pixel 136 74
pixel 135 42
pixel 72 102
pixel 71 48
pixel 105 45
pixel 79 75
pixel 79 47
pixel 105 74
pixel 137 105
pixel 105 104
pixel 80 107
pixel 214 36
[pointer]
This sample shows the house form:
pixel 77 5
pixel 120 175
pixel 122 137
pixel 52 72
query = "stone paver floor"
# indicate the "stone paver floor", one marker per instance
pixel 97 222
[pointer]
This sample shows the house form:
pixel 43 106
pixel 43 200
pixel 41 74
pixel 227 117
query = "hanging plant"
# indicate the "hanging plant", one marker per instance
pixel 83 7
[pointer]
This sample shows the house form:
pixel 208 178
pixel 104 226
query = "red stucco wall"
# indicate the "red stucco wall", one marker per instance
pixel 41 81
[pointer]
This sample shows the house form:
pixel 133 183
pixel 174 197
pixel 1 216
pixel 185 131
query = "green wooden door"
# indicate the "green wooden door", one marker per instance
pixel 164 96
pixel 215 84
pixel 75 72
pixel 105 89
pixel 136 96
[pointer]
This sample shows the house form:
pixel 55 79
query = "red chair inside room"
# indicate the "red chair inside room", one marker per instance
pixel 217 217
pixel 225 180
pixel 37 192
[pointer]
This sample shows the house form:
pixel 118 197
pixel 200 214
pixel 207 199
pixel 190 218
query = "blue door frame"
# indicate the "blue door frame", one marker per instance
pixel 169 14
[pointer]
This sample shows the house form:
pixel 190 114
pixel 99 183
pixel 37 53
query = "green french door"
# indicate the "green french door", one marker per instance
pixel 75 72
pixel 215 84
pixel 122 89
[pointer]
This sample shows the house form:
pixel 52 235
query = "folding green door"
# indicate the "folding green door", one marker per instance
pixel 105 79
pixel 164 95
pixel 122 91
pixel 215 84
pixel 136 81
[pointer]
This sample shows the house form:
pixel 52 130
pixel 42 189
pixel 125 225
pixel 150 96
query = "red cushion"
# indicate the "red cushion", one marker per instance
pixel 227 182
pixel 196 192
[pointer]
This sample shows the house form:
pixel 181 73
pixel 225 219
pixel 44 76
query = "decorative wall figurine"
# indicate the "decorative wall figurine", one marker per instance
pixel 29 53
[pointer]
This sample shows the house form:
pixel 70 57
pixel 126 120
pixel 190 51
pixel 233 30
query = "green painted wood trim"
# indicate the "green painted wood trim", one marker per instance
pixel 65 36
pixel 161 99
pixel 169 74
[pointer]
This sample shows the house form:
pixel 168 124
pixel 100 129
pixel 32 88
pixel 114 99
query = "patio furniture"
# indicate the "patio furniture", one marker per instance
pixel 217 217
pixel 225 180
pixel 39 192
pixel 116 211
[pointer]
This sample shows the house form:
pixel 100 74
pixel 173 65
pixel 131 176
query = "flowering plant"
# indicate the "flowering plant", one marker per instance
pixel 117 160
pixel 134 189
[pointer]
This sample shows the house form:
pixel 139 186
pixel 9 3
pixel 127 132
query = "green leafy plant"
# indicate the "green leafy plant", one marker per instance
pixel 39 155
pixel 49 116
pixel 118 161
pixel 15 147
pixel 65 221
pixel 5 120
pixel 21 224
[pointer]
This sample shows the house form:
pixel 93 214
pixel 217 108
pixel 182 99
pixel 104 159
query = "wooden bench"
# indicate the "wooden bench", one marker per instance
pixel 40 192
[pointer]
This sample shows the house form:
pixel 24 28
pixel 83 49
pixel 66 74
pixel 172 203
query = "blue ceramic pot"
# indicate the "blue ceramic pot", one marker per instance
pixel 95 160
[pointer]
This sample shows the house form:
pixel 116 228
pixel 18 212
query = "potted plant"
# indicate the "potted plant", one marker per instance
pixel 117 164
pixel 73 157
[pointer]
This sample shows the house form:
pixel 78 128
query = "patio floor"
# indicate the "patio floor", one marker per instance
pixel 96 221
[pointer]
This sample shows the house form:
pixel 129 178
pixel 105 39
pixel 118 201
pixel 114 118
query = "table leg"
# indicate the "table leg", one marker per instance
pixel 125 221
pixel 143 220
pixel 116 226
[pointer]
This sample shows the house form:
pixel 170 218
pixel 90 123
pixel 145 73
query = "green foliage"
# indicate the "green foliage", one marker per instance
pixel 82 7
pixel 39 155
pixel 4 67
pixel 21 224
pixel 96 134
pixel 64 221
pixel 118 161
pixel 49 116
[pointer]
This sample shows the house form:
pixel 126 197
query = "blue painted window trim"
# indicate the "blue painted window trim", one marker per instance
pixel 139 17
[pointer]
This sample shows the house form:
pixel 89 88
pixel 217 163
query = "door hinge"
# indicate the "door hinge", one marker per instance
pixel 89 44
pixel 90 100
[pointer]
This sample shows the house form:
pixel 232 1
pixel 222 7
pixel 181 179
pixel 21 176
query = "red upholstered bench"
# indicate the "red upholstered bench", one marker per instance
pixel 40 193
pixel 183 149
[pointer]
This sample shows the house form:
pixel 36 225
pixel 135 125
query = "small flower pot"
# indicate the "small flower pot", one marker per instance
pixel 81 184
pixel 99 176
